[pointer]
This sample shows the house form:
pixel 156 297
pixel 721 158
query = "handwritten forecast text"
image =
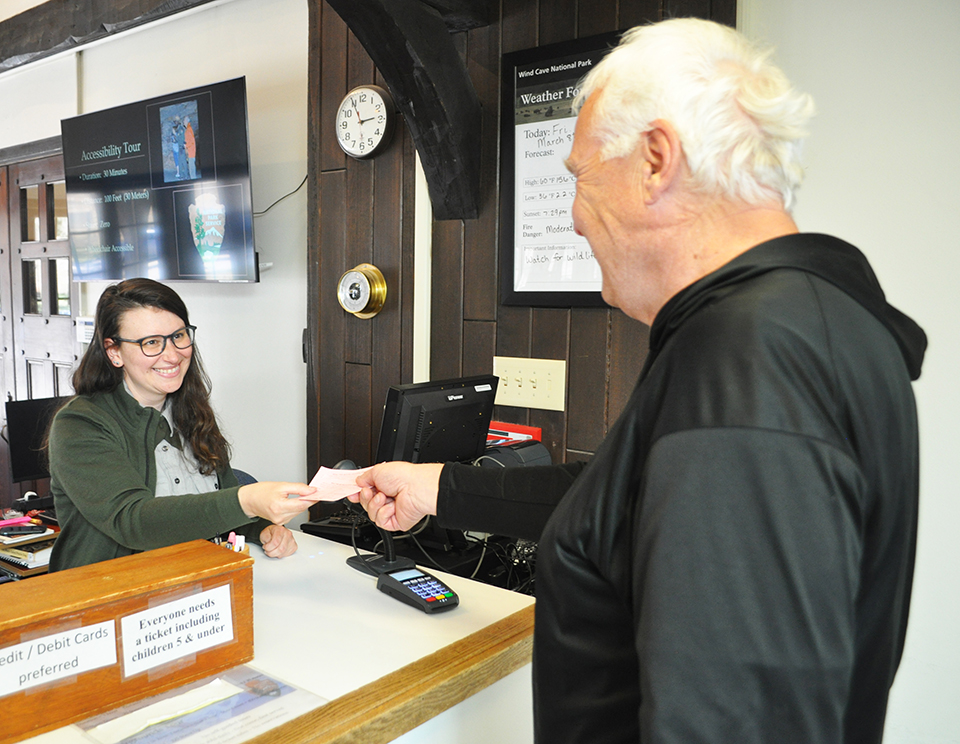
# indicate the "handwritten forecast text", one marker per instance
pixel 549 256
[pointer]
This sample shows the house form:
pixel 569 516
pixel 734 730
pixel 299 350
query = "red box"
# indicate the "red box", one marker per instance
pixel 502 433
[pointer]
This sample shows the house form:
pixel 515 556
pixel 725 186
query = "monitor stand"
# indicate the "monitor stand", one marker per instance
pixel 378 564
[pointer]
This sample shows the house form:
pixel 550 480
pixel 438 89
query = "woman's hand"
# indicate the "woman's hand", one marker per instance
pixel 277 541
pixel 275 502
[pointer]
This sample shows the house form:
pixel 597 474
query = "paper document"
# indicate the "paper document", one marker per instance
pixel 123 727
pixel 333 484
pixel 230 708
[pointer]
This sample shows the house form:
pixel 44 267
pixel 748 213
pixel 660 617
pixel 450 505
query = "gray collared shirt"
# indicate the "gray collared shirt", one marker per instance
pixel 177 470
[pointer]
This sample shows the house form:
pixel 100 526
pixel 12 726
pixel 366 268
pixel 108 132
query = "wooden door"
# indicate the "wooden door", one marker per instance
pixel 39 301
pixel 6 340
pixel 45 302
pixel 6 296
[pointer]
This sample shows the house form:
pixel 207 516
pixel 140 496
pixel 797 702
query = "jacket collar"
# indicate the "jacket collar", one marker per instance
pixel 826 257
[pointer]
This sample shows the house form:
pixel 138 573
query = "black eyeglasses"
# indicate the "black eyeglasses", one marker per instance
pixel 153 346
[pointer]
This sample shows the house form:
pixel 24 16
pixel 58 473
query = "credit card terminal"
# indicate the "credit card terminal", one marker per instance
pixel 418 588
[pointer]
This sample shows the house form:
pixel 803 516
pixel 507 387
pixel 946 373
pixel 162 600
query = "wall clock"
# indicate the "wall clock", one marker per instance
pixel 365 121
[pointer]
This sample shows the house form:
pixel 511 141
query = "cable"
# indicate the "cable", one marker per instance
pixel 491 459
pixel 483 554
pixel 353 540
pixel 260 214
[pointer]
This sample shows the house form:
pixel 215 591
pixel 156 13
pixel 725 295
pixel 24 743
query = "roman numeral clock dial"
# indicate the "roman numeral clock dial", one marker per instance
pixel 365 121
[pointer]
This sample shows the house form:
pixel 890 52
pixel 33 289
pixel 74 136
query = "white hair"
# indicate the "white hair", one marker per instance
pixel 739 120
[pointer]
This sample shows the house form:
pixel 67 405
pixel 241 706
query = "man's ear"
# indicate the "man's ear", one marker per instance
pixel 663 157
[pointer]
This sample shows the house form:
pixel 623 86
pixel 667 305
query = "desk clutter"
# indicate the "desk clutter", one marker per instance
pixel 233 542
pixel 30 555
pixel 25 545
pixel 504 562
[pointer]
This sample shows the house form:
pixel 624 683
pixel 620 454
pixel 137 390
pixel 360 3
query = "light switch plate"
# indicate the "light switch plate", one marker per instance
pixel 531 383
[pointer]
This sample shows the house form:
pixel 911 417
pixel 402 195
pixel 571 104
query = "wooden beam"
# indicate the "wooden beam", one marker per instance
pixel 44 148
pixel 59 25
pixel 411 46
pixel 463 15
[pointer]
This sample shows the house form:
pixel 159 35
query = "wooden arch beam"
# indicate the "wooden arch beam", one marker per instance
pixel 409 42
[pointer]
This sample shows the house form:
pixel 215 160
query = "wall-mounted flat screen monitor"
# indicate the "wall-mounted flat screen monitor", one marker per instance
pixel 161 188
pixel 26 431
pixel 442 421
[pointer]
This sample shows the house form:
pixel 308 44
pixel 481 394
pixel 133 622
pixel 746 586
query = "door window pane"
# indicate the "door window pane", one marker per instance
pixel 32 287
pixel 57 199
pixel 60 285
pixel 30 214
pixel 62 379
pixel 39 381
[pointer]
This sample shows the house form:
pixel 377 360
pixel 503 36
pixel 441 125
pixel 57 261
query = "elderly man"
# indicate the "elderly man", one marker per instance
pixel 734 564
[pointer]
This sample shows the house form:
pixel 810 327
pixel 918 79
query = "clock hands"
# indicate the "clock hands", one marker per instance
pixel 353 102
pixel 361 120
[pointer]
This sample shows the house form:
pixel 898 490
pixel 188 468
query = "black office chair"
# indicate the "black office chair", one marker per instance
pixel 245 478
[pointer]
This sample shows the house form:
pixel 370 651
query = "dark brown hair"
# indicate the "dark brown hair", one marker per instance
pixel 193 415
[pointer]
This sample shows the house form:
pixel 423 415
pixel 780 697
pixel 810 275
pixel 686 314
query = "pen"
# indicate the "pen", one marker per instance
pixel 18 520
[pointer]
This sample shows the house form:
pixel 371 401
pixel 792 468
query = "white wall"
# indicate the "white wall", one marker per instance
pixel 9 8
pixel 48 92
pixel 249 334
pixel 884 173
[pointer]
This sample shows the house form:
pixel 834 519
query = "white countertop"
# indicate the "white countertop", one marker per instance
pixel 324 627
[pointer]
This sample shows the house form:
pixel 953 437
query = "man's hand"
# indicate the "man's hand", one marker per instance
pixel 277 541
pixel 270 501
pixel 397 495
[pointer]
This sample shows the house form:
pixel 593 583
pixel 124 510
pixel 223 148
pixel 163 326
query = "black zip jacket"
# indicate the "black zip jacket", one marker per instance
pixel 735 563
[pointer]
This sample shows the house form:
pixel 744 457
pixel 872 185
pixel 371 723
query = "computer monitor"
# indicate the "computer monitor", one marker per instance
pixel 138 205
pixel 27 424
pixel 440 421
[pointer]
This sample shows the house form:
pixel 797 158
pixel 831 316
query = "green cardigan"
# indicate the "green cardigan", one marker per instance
pixel 103 476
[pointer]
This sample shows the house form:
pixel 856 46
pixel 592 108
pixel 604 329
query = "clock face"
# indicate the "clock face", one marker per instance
pixel 365 121
pixel 353 291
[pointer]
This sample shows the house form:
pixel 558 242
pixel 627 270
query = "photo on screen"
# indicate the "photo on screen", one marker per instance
pixel 179 125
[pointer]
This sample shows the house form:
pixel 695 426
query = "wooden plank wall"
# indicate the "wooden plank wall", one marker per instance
pixel 362 211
